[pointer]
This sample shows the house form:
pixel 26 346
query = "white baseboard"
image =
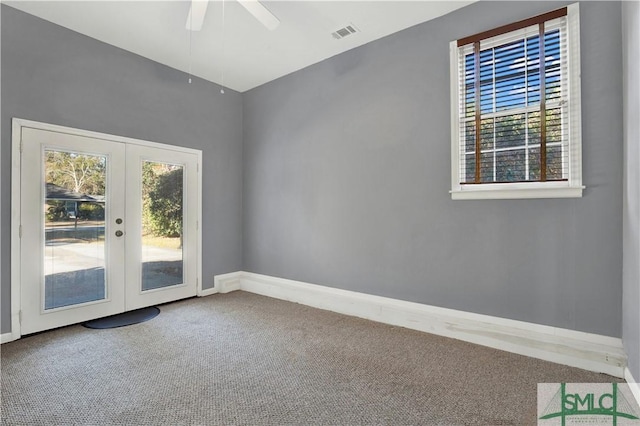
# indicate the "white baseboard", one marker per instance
pixel 14 334
pixel 588 351
pixel 6 337
pixel 207 291
pixel 222 284
pixel 633 385
pixel 227 282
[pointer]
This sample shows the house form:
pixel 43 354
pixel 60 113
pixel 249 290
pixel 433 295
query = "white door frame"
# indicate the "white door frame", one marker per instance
pixel 17 125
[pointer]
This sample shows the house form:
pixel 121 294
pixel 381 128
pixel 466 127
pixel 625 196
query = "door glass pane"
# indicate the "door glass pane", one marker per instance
pixel 162 232
pixel 74 206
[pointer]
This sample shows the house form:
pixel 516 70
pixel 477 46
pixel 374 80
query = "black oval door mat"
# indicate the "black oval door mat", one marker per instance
pixel 124 319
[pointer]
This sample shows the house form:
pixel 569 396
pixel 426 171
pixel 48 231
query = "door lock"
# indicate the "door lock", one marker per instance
pixel 118 221
pixel 119 233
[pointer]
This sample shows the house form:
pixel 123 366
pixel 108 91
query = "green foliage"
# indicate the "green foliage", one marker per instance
pixel 515 137
pixel 56 211
pixel 90 211
pixel 162 199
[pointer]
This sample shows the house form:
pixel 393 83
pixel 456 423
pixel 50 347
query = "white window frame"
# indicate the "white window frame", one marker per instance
pixel 572 187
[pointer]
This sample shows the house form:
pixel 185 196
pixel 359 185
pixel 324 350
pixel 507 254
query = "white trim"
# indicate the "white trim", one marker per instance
pixel 6 338
pixel 633 384
pixel 222 284
pixel 482 193
pixel 16 158
pixel 17 125
pixel 588 351
pixel 98 135
pixel 207 291
pixel 227 282
pixel 571 189
pixel 14 334
pixel 575 103
pixel 454 90
pixel 199 288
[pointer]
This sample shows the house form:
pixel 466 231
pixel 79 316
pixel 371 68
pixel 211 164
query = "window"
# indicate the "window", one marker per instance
pixel 515 108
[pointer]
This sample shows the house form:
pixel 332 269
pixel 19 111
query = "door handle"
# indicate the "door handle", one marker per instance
pixel 119 233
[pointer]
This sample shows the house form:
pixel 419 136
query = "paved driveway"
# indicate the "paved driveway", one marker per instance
pixel 74 271
pixel 62 257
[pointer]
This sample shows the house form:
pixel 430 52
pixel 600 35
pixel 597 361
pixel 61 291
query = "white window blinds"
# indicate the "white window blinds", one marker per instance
pixel 514 104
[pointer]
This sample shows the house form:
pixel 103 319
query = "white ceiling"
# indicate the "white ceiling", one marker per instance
pixel 245 54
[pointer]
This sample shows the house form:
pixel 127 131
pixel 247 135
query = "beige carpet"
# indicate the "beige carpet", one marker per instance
pixel 243 359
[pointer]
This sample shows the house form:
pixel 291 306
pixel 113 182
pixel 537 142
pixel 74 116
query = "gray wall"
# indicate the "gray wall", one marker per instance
pixel 57 76
pixel 631 211
pixel 346 169
pixel 347 172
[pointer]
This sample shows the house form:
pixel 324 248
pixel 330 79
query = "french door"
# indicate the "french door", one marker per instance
pixel 106 227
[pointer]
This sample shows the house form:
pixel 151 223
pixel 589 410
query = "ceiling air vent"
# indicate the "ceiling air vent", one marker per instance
pixel 344 32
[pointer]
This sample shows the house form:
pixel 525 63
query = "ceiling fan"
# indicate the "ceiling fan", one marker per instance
pixel 254 7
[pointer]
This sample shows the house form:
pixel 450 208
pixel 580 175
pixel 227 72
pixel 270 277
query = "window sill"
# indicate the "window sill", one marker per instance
pixel 498 192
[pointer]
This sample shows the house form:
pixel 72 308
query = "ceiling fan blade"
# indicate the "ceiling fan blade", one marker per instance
pixel 261 13
pixel 197 11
